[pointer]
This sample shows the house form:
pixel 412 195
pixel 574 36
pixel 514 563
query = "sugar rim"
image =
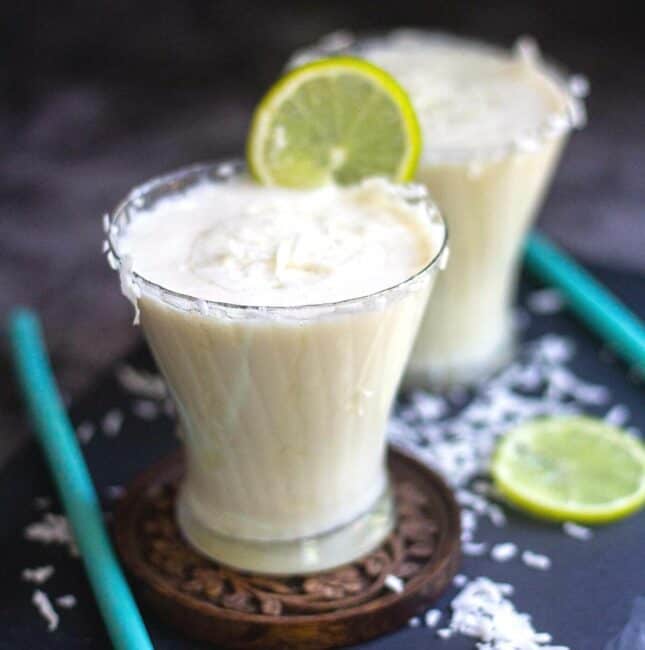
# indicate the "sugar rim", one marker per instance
pixel 574 87
pixel 184 178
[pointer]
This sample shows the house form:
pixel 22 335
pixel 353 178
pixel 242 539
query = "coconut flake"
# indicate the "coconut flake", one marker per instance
pixel 432 617
pixel 145 409
pixel 536 560
pixel 482 611
pixel 496 515
pixel 141 382
pixel 38 575
pixel 545 301
pixel 112 422
pixel 503 552
pixel 85 432
pixel 474 549
pixel 618 415
pixel 67 601
pixel 577 531
pixel 394 583
pixel 459 580
pixel 45 608
pixel 53 529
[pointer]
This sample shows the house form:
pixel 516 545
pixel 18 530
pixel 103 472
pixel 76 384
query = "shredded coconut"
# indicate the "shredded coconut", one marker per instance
pixel 503 552
pixel 67 601
pixel 536 560
pixel 145 409
pixel 496 515
pixel 482 611
pixel 432 617
pixel 38 575
pixel 394 583
pixel 577 531
pixel 618 415
pixel 474 549
pixel 112 422
pixel 468 520
pixel 45 608
pixel 545 301
pixel 53 529
pixel 460 441
pixel 140 382
pixel 459 580
pixel 85 432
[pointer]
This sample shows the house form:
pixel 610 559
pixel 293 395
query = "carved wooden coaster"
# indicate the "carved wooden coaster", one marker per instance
pixel 233 609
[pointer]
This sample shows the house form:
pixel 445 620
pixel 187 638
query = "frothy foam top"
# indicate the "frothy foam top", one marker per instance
pixel 241 243
pixel 469 96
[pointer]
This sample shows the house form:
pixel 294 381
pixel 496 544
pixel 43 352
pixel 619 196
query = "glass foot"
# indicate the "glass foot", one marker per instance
pixel 308 555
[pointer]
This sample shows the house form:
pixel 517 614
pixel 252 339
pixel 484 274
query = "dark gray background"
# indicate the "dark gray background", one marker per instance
pixel 100 95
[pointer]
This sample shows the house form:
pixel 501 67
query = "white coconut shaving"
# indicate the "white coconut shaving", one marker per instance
pixel 503 552
pixel 141 382
pixel 52 529
pixel 577 531
pixel 496 515
pixel 536 560
pixel 38 575
pixel 85 432
pixel 432 617
pixel 482 611
pixel 618 415
pixel 145 409
pixel 394 583
pixel 45 608
pixel 474 549
pixel 112 422
pixel 545 301
pixel 67 601
pixel 459 580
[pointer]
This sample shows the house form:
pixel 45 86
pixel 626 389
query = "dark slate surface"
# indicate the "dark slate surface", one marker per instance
pixel 583 600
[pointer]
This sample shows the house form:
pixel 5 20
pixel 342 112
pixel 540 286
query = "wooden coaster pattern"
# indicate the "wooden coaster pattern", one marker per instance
pixel 353 603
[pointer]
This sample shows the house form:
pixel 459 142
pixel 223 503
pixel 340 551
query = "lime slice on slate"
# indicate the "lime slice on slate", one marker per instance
pixel 334 120
pixel 571 468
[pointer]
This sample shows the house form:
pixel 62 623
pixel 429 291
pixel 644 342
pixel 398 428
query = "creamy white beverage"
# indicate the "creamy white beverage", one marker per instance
pixel 494 123
pixel 282 321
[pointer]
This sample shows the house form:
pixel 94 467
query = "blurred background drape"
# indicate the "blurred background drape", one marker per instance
pixel 100 95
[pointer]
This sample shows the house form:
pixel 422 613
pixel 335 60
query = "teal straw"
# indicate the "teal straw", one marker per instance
pixel 68 468
pixel 619 327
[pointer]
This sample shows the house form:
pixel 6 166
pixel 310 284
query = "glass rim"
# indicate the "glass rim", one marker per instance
pixel 223 171
pixel 574 87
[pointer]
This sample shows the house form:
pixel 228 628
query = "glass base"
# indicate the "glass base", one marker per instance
pixel 458 370
pixel 308 555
